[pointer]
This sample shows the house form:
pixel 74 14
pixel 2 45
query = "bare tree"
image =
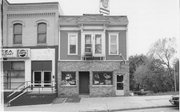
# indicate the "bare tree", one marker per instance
pixel 164 49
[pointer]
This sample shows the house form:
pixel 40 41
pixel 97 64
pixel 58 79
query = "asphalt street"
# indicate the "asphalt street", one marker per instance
pixel 164 109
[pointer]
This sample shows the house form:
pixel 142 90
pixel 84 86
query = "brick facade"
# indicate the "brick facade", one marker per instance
pixel 95 90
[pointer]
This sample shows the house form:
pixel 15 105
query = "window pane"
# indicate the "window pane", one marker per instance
pixel 119 86
pixel 17 65
pixel 98 49
pixel 87 39
pixel 120 78
pixel 72 49
pixel 42 38
pixel 113 39
pixel 68 78
pixel 42 28
pixel 17 39
pixel 98 46
pixel 72 40
pixel 102 78
pixel 113 49
pixel 72 44
pixel 98 39
pixel 17 28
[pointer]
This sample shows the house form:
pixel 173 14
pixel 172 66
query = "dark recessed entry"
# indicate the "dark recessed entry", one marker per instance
pixel 83 82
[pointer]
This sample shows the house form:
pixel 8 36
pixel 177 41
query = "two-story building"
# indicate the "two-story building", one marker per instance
pixel 71 55
pixel 93 55
pixel 30 45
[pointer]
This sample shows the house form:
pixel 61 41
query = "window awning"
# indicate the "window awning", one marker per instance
pixel 41 65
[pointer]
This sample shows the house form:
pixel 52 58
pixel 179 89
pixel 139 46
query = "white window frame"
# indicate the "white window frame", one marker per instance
pixel 42 77
pixel 93 43
pixel 117 42
pixel 76 36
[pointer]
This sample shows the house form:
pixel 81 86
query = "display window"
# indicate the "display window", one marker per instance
pixel 102 78
pixel 14 74
pixel 68 78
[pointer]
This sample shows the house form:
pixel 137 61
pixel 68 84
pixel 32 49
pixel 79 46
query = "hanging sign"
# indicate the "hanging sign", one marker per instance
pixel 104 7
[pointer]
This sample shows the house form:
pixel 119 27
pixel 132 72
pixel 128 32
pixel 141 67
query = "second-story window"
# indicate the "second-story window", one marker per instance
pixel 72 43
pixel 17 33
pixel 41 33
pixel 98 44
pixel 113 44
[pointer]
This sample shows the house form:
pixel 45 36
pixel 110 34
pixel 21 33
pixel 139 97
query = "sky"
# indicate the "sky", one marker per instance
pixel 149 20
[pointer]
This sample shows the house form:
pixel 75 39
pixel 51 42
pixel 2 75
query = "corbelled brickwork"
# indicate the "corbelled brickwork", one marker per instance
pixel 95 90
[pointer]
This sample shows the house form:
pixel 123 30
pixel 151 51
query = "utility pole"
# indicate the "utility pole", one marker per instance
pixel 174 78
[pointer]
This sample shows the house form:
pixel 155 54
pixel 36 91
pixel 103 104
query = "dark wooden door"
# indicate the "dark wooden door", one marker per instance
pixel 83 82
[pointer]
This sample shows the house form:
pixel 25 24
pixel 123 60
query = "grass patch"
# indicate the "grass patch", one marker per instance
pixel 163 93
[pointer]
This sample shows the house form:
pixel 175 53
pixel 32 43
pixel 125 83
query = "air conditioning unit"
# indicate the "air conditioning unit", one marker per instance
pixel 88 56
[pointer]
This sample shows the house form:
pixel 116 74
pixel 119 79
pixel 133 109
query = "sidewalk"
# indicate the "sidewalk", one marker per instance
pixel 101 104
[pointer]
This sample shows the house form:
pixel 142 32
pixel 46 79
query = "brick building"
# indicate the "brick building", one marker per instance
pixel 92 55
pixel 30 45
pixel 67 55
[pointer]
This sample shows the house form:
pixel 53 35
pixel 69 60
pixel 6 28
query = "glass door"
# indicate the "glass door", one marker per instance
pixel 120 85
pixel 42 78
pixel 37 78
pixel 47 78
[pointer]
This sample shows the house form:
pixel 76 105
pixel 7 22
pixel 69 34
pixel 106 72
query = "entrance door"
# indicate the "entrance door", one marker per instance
pixel 47 78
pixel 119 85
pixel 83 82
pixel 42 78
pixel 37 78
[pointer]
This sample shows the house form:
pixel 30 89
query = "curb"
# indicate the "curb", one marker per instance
pixel 165 106
pixel 125 109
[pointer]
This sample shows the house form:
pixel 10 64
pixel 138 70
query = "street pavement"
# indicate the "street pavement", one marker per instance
pixel 104 104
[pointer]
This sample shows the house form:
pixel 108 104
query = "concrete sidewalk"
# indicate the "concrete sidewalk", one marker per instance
pixel 101 104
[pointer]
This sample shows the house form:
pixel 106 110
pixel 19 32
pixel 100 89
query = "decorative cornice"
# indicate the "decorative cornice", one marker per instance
pixel 30 7
pixel 32 14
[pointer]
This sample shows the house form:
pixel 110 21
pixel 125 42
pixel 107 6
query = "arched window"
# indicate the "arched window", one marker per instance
pixel 41 33
pixel 17 33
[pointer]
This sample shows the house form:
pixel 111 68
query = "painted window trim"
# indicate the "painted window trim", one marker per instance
pixel 42 76
pixel 22 25
pixel 76 53
pixel 117 36
pixel 42 22
pixel 103 40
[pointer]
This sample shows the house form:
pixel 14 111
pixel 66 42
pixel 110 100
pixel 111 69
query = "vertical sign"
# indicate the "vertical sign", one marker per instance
pixel 104 7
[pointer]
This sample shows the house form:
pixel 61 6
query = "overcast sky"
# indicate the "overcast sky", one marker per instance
pixel 149 20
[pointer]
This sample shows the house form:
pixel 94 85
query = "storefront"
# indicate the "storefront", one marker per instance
pixel 33 67
pixel 94 78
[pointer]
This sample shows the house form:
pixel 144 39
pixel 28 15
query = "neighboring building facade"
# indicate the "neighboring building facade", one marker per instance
pixel 93 55
pixel 30 45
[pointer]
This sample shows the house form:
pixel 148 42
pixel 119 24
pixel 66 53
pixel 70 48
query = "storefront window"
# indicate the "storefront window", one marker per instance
pixel 14 74
pixel 68 78
pixel 102 78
